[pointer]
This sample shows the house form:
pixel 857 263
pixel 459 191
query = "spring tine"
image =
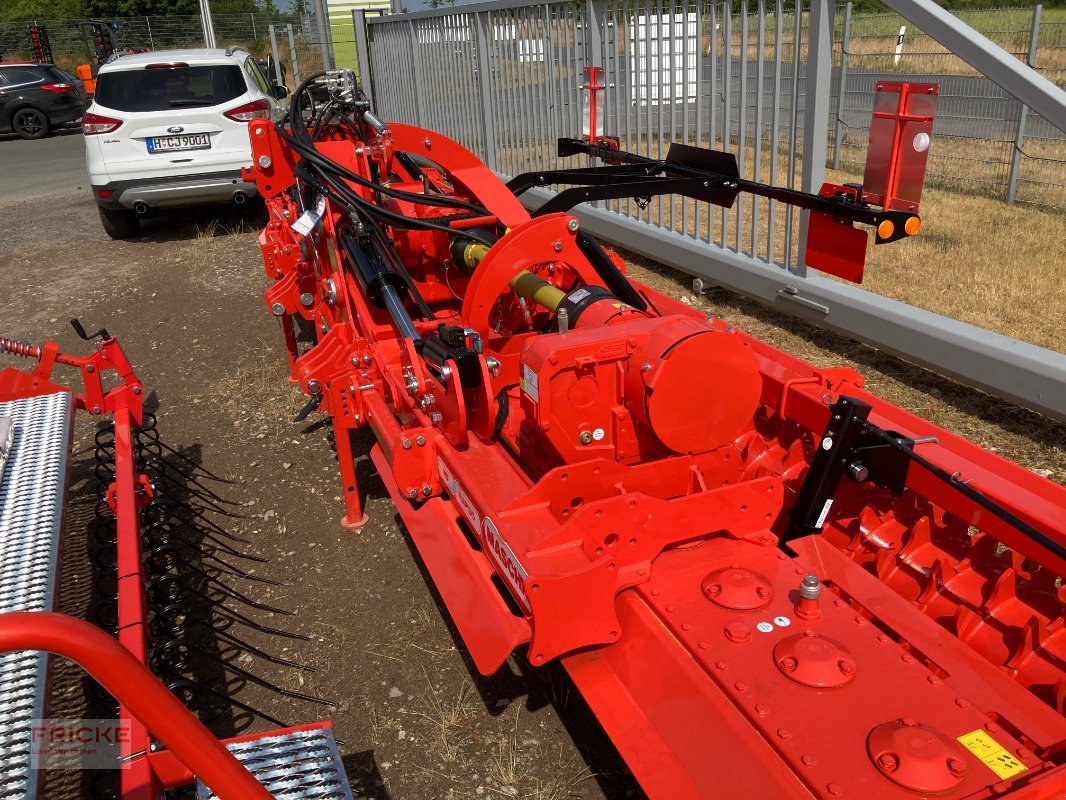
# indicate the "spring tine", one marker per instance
pixel 231 592
pixel 156 440
pixel 310 698
pixel 241 645
pixel 160 514
pixel 154 506
pixel 211 538
pixel 184 486
pixel 157 460
pixel 161 492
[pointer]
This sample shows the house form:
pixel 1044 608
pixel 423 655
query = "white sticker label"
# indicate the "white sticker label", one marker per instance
pixel 825 513
pixel 921 142
pixel 579 295
pixel 827 443
pixel 529 383
pixel 307 222
pixel 782 622
pixel 511 568
pixel 598 434
pixel 461 499
pixel 764 627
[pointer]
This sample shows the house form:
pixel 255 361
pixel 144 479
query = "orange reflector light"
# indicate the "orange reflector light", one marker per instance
pixel 913 225
pixel 885 229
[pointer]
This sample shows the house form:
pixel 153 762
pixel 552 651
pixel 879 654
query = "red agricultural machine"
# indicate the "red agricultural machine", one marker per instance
pixel 765 581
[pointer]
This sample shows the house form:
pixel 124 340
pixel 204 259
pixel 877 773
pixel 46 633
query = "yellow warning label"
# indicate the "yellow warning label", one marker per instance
pixel 992 754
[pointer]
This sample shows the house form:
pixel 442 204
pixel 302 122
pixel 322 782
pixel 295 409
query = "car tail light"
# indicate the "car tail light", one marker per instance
pixel 104 194
pixel 257 109
pixel 168 65
pixel 57 88
pixel 95 124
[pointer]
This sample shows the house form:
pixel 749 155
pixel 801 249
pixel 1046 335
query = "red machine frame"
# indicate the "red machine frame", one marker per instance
pixel 659 555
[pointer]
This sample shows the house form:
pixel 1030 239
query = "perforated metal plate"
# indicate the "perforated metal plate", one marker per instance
pixel 32 498
pixel 302 765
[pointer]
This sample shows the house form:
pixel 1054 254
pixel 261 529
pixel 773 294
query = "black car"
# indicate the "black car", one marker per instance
pixel 36 98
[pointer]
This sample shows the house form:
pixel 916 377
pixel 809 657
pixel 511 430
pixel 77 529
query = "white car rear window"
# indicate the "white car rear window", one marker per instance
pixel 163 89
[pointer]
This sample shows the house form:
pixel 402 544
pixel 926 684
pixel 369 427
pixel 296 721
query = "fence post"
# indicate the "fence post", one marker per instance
pixel 294 57
pixel 1023 112
pixel 416 65
pixel 362 52
pixel 484 68
pixel 254 34
pixel 819 75
pixel 322 21
pixel 842 84
pixel 207 23
pixel 151 42
pixel 279 80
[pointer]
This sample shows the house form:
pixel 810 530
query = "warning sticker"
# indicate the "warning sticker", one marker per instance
pixel 529 383
pixel 994 756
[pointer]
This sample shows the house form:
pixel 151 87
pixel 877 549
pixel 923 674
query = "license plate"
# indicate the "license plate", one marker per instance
pixel 189 141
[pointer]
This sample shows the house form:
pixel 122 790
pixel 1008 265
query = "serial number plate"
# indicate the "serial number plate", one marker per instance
pixel 169 144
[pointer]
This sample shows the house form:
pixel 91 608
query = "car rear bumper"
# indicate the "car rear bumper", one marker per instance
pixel 187 190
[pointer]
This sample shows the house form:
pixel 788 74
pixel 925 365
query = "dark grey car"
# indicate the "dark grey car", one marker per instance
pixel 37 98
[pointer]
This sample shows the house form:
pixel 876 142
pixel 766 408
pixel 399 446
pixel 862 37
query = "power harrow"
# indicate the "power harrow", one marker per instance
pixel 765 581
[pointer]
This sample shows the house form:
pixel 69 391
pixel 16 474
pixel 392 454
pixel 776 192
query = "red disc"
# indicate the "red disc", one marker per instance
pixel 916 756
pixel 814 660
pixel 738 588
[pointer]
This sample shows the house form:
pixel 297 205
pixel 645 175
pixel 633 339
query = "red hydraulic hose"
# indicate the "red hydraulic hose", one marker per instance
pixel 130 682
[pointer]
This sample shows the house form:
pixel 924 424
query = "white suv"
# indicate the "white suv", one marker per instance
pixel 170 129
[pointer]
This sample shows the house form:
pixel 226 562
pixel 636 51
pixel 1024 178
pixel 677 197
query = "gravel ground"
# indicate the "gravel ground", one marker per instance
pixel 414 722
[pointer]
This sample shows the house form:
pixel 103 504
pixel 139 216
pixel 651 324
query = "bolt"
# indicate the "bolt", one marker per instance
pixel 314 387
pixel 834 789
pixel 435 417
pixel 788 664
pixel 585 437
pixel 645 367
pixel 908 722
pixel 427 491
pixel 740 686
pixel 427 401
pixel 96 409
pixel 784 733
pixel 738 632
pixel 494 366
pixel 558 247
pixel 1023 753
pixel 277 309
pixel 961 703
pixel 763 592
pixel 858 472
pixel 307 299
pixel 412 494
pixel 713 590
pixel 933 680
pixel 808 761
pixel 956 767
pixel 761 710
pixel 428 144
pixel 367 359
pixel 406 444
pixel 90 368
pixel 136 390
pixel 846 667
pixel 887 762
pixel 810 587
pixel 420 440
pixel 572 226
pixel 264 162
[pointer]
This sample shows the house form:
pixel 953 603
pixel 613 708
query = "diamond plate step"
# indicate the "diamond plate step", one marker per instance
pixel 32 499
pixel 300 765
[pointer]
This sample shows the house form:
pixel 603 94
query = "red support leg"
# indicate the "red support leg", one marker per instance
pixel 354 518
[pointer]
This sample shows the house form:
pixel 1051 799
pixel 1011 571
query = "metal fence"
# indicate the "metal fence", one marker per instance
pixel 152 33
pixel 754 77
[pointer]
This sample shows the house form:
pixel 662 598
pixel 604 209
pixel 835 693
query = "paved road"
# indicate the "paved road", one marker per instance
pixel 55 165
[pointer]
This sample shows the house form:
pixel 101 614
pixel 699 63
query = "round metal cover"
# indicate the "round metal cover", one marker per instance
pixel 916 756
pixel 814 660
pixel 737 587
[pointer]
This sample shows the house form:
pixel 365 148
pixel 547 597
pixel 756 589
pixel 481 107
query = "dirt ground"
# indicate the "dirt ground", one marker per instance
pixel 413 721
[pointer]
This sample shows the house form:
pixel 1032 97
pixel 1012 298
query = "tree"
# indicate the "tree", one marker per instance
pixel 268 8
pixel 299 7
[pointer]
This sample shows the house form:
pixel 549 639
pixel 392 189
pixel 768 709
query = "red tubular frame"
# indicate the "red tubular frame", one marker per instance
pixel 140 693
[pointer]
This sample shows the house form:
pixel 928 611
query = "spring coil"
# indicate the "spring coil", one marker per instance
pixel 18 348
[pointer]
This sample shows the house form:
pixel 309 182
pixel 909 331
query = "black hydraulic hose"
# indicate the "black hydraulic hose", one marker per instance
pixel 308 151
